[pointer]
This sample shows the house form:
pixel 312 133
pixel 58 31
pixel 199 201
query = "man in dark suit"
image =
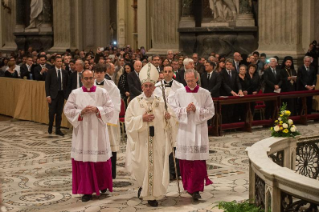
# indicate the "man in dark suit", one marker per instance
pixel 110 69
pixel 133 80
pixel 75 78
pixel 237 61
pixel 56 91
pixel 26 70
pixel 188 64
pixel 273 80
pixel 230 87
pixel 156 63
pixel 307 79
pixel 40 70
pixel 197 65
pixel 211 79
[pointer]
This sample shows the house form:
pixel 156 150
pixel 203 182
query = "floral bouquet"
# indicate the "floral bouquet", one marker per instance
pixel 284 127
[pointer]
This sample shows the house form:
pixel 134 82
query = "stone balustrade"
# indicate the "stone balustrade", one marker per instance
pixel 273 182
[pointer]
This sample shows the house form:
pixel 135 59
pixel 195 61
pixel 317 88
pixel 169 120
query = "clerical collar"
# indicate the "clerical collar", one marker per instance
pixel 100 83
pixel 92 89
pixel 168 84
pixel 194 90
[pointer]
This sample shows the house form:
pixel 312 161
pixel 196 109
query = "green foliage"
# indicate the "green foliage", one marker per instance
pixel 239 207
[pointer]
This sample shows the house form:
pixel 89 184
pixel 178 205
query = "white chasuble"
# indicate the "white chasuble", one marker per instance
pixel 90 140
pixel 192 139
pixel 147 158
pixel 113 125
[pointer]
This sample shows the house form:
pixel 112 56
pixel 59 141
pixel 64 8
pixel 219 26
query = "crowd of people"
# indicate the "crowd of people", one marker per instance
pixel 237 76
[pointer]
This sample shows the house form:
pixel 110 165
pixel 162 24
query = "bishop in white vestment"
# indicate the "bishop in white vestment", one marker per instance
pixel 113 125
pixel 88 109
pixel 193 107
pixel 148 148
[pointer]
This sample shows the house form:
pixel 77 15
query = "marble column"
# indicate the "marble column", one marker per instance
pixel 20 22
pixel 143 22
pixel 61 25
pixel 187 18
pixel 245 16
pixel 7 27
pixel 121 35
pixel 285 27
pixel 164 16
pixel 46 25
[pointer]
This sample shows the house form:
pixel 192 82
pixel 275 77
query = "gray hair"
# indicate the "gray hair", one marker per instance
pixel 307 57
pixel 211 58
pixel 168 51
pixel 272 58
pixel 82 62
pixel 186 61
pixel 187 71
pixel 107 66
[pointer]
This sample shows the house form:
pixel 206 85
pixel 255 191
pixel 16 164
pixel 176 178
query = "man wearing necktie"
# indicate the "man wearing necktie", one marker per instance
pixel 307 80
pixel 212 81
pixel 75 78
pixel 230 87
pixel 26 69
pixel 237 60
pixel 156 62
pixel 40 71
pixel 56 92
pixel 273 81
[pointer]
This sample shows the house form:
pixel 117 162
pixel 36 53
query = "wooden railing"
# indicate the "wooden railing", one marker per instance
pixel 216 127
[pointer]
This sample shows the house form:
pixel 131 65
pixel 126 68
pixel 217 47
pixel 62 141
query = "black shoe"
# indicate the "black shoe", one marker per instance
pixel 153 203
pixel 139 192
pixel 59 133
pixel 86 197
pixel 50 130
pixel 196 196
pixel 103 191
pixel 172 177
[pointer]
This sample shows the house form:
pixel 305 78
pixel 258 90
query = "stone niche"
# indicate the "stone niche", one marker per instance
pixel 220 26
pixel 36 32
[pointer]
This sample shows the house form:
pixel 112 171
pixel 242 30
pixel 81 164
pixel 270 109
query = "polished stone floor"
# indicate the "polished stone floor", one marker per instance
pixel 36 173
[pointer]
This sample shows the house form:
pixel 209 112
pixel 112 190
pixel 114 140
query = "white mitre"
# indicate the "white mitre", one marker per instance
pixel 148 74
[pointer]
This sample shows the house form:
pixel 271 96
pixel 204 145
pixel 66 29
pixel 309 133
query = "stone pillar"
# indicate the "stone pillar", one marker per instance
pixel 20 23
pixel 187 19
pixel 245 17
pixel 101 19
pixel 285 27
pixel 142 24
pixel 164 16
pixel 61 25
pixel 121 35
pixel 46 25
pixel 7 27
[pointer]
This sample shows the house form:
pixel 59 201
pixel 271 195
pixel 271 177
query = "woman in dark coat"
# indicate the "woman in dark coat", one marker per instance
pixel 123 84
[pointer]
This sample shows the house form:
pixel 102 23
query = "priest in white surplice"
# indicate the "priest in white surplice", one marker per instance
pixel 193 106
pixel 113 125
pixel 148 148
pixel 88 109
pixel 171 86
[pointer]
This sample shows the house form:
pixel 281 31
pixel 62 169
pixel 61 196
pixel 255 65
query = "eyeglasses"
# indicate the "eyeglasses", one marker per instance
pixel 88 78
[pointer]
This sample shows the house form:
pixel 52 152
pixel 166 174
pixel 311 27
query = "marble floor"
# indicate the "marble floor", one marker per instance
pixel 36 173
